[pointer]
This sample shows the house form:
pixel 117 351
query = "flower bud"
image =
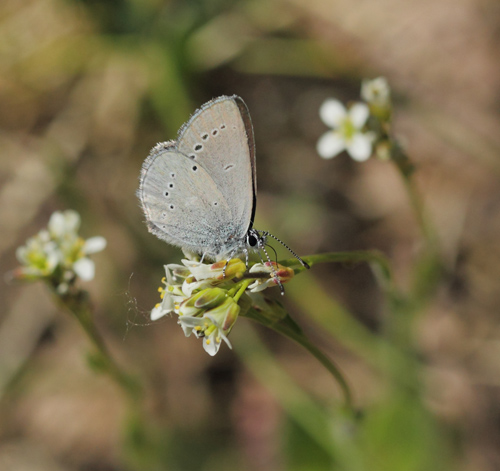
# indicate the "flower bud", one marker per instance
pixel 268 274
pixel 202 301
pixel 222 270
pixel 225 314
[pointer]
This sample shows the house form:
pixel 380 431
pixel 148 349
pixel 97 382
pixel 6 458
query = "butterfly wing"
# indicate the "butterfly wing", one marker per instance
pixel 182 203
pixel 219 136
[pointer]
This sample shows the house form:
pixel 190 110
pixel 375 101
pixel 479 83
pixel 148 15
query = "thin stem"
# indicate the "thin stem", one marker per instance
pixel 141 447
pixel 378 262
pixel 406 169
pixel 243 286
pixel 77 302
pixel 273 315
pixel 321 357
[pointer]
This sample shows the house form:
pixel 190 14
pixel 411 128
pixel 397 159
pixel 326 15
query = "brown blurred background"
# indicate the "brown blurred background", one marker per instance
pixel 88 87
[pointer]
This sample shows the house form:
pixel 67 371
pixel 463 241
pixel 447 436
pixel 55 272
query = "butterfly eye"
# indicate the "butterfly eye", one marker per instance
pixel 205 136
pixel 198 147
pixel 170 185
pixel 195 168
pixel 215 132
pixel 252 240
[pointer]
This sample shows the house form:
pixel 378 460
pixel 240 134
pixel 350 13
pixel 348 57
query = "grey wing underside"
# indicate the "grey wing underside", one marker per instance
pixel 182 203
pixel 219 136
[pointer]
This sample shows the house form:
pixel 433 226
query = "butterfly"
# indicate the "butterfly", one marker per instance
pixel 199 191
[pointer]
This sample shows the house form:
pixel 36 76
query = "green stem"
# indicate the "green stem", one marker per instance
pixel 334 370
pixel 406 169
pixel 271 314
pixel 141 448
pixel 242 287
pixel 306 412
pixel 378 262
pixel 78 304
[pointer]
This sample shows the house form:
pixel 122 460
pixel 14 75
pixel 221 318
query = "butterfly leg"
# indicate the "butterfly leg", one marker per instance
pixel 230 256
pixel 246 257
pixel 273 271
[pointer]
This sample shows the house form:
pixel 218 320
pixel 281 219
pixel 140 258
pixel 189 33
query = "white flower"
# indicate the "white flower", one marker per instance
pixel 94 245
pixel 223 270
pixel 376 91
pixel 284 274
pixel 213 326
pixel 40 256
pixel 64 224
pixel 83 266
pixel 205 295
pixel 172 295
pixel 171 299
pixel 201 271
pixel 206 327
pixel 346 133
pixel 59 252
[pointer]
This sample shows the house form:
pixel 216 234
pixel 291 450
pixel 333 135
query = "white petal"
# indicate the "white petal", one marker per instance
pixel 56 224
pixel 201 271
pixel 332 112
pixel 84 268
pixel 53 259
pixel 360 148
pixel 188 288
pixel 330 144
pixel 210 345
pixel 258 267
pixel 44 235
pixel 21 254
pixel 71 220
pixel 168 303
pixel 188 324
pixel 157 312
pixel 94 244
pixel 358 113
pixel 258 286
pixel 173 279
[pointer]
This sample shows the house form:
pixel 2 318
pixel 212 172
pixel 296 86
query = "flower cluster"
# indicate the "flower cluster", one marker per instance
pixel 359 129
pixel 207 297
pixel 58 253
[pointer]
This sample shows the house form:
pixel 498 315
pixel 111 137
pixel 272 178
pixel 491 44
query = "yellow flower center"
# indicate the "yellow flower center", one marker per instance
pixel 347 129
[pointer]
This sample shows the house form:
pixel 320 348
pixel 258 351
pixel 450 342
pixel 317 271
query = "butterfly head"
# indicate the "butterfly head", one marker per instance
pixel 256 240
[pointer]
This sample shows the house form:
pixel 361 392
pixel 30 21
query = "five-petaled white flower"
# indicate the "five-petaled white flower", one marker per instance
pixel 346 133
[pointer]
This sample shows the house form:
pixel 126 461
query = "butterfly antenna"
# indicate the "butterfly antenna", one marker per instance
pixel 304 264
pixel 275 253
pixel 273 271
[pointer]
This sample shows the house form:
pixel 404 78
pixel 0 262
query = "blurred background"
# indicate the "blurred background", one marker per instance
pixel 87 87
